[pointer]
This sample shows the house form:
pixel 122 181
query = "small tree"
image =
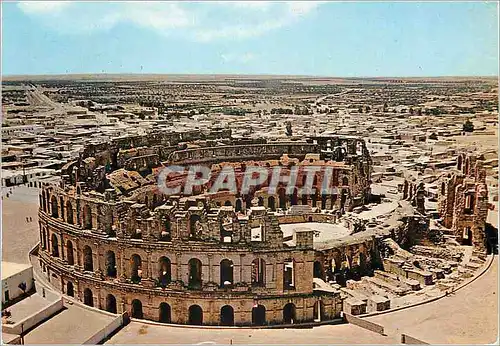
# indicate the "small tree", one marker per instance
pixel 433 136
pixel 468 126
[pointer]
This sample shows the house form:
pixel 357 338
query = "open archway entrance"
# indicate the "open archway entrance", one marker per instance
pixel 69 289
pixel 69 253
pixel 289 313
pixel 137 309
pixel 194 274
pixel 88 298
pixel 226 273
pixel 227 315
pixel 164 271
pixel 165 313
pixel 258 315
pixel 195 315
pixel 110 264
pixel 111 304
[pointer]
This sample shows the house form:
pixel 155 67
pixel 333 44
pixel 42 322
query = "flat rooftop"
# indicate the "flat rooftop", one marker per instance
pixel 9 269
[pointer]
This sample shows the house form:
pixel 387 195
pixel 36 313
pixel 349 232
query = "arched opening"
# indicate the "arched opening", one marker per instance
pixel 55 245
pixel 228 204
pixel 69 253
pixel 88 298
pixel 258 272
pixel 195 315
pixel 137 309
pixel 318 311
pixel 289 274
pixel 294 197
pixel 195 228
pixel 323 201
pixel 87 217
pixel 459 163
pixel 44 239
pixel 61 205
pixel 304 199
pixel 345 181
pixel 271 204
pixel 110 264
pixel 54 207
pixel 467 237
pixel 258 315
pixel 146 201
pixel 135 269
pixel 165 313
pixel 282 198
pixel 238 206
pixel 227 315
pixel 164 271
pixel 70 291
pixel 43 203
pixel 69 213
pixel 260 202
pixel 166 232
pixel 226 273
pixel 314 199
pixel 318 270
pixel 443 188
pixel 111 303
pixel 194 282
pixel 88 262
pixel 289 313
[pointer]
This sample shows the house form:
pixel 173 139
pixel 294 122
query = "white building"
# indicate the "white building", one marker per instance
pixel 15 275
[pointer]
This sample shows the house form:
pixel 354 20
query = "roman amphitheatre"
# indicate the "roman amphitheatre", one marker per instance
pixel 110 239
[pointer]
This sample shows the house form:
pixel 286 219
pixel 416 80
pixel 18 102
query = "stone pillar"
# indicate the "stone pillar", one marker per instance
pixel 62 247
pixel 97 270
pixel 179 267
pixel 123 276
pixel 242 278
pixel 210 267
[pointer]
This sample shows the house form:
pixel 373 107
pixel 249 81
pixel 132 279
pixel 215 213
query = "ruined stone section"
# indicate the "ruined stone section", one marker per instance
pixel 463 201
pixel 112 240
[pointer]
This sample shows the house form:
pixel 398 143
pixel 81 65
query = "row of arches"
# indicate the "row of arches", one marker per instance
pixel 282 200
pixel 164 268
pixel 59 209
pixel 195 312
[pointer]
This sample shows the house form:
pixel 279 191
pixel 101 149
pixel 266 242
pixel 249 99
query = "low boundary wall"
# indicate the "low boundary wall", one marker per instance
pixel 105 332
pixel 32 320
pixel 406 339
pixel 377 328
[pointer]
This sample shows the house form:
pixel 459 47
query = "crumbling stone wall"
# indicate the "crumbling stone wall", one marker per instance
pixel 463 201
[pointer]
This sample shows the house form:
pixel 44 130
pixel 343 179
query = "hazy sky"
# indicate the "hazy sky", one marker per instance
pixel 308 38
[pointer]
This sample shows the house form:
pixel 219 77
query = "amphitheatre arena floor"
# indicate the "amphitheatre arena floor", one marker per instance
pixel 467 316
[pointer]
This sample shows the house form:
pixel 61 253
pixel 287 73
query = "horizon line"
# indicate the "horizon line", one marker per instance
pixel 138 74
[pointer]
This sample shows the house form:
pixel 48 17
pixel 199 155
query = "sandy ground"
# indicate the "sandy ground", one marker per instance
pixel 137 332
pixel 19 236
